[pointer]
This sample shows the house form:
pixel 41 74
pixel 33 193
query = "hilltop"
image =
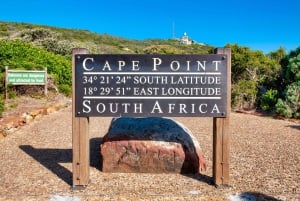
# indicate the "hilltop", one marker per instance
pixel 62 40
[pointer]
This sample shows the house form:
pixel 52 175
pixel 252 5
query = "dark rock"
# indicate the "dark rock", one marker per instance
pixel 150 145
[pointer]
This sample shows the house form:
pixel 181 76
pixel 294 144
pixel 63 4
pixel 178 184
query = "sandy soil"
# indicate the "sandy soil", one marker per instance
pixel 36 163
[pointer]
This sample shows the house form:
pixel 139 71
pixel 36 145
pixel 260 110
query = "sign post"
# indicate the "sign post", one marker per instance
pixel 151 85
pixel 80 137
pixel 221 133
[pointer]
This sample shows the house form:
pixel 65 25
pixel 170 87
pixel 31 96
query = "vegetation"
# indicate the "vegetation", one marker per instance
pixel 21 55
pixel 288 103
pixel 270 82
pixel 253 74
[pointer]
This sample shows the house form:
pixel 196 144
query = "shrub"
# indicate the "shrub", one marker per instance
pixel 251 70
pixel 283 109
pixel 244 94
pixel 291 106
pixel 293 69
pixel 269 99
pixel 49 40
pixel 65 89
pixel 18 54
pixel 162 49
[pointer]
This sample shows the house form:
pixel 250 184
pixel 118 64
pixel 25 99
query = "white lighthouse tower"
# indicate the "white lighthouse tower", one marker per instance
pixel 185 39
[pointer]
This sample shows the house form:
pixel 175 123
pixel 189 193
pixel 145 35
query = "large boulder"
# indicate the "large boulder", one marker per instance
pixel 150 145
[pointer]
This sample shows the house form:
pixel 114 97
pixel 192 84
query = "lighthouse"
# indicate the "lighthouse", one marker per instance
pixel 185 39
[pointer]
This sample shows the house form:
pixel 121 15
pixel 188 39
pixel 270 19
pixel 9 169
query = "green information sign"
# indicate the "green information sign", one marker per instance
pixel 26 77
pixel 23 77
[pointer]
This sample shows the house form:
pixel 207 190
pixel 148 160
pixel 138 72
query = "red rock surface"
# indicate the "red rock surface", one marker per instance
pixel 150 145
pixel 24 110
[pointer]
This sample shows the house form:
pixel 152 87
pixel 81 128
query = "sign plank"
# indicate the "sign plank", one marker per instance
pixel 151 85
pixel 26 77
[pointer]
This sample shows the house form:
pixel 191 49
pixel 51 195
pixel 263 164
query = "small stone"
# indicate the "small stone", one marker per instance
pixel 50 110
pixel 28 118
pixel 9 126
pixel 1 136
pixel 36 113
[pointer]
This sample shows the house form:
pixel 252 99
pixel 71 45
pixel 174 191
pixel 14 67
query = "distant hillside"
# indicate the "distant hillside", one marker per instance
pixel 30 47
pixel 61 41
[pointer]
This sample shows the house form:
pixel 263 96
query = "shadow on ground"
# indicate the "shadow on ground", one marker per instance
pixel 295 127
pixel 51 159
pixel 251 196
pixel 95 156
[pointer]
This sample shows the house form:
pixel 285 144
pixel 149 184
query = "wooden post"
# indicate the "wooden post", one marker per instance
pixel 221 133
pixel 6 83
pixel 80 137
pixel 46 82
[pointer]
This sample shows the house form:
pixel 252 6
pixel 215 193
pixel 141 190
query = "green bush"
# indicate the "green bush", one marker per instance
pixel 65 89
pixel 289 104
pixel 244 94
pixel 251 70
pixel 269 100
pixel 290 107
pixel 48 39
pixel 162 49
pixel 283 109
pixel 20 55
pixel 293 69
pixel 11 94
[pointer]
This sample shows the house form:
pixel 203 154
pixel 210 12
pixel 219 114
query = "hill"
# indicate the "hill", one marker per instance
pixel 265 81
pixel 30 47
pixel 61 41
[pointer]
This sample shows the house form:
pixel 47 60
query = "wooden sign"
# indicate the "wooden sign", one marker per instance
pixel 25 77
pixel 151 85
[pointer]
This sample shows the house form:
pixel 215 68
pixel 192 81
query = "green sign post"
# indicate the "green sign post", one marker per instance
pixel 23 77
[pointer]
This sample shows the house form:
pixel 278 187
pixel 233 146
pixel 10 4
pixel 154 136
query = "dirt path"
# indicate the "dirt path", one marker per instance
pixel 36 163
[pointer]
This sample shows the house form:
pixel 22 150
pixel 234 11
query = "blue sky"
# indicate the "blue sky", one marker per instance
pixel 258 24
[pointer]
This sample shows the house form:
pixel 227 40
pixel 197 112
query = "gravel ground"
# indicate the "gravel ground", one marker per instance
pixel 36 163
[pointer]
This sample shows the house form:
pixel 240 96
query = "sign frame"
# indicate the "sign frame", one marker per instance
pixel 25 77
pixel 151 85
pixel 80 133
